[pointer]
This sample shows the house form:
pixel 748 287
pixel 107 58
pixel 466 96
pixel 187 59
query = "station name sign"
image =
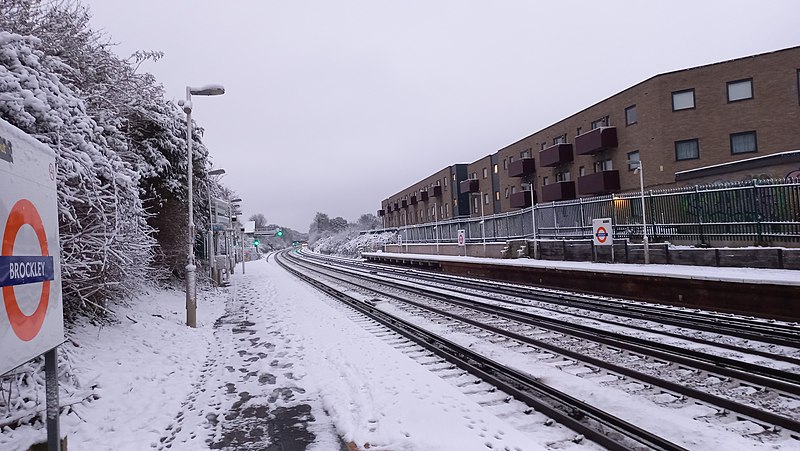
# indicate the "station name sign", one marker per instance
pixel 31 311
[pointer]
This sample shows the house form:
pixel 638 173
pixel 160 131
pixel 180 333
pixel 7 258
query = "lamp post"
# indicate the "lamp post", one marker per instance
pixel 436 224
pixel 483 225
pixel 211 245
pixel 191 282
pixel 533 218
pixel 640 170
pixel 233 203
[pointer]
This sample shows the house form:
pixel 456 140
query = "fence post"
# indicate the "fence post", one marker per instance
pixel 699 214
pixel 757 207
pixel 583 224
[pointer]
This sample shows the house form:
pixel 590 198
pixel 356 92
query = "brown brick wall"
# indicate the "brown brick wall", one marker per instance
pixel 773 113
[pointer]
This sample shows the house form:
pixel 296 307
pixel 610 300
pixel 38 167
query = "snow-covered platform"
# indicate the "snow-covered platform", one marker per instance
pixel 770 293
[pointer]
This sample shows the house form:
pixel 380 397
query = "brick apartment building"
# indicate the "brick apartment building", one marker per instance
pixel 734 120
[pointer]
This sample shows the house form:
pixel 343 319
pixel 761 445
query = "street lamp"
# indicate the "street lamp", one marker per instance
pixel 640 170
pixel 231 203
pixel 191 282
pixel 211 251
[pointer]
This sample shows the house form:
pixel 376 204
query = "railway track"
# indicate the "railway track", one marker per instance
pixel 586 420
pixel 765 382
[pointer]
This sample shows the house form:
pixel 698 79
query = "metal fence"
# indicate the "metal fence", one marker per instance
pixel 751 212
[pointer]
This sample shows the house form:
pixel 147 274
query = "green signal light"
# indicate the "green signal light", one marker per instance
pixel 255 242
pixel 279 233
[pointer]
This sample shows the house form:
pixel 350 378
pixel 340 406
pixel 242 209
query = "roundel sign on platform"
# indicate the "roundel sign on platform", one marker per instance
pixel 602 232
pixel 462 241
pixel 31 315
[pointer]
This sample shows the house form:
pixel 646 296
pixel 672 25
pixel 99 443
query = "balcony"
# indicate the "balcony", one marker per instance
pixel 381 213
pixel 521 167
pixel 558 191
pixel 423 196
pixel 521 199
pixel 470 186
pixel 396 206
pixel 437 191
pixel 599 183
pixel 414 200
pixel 556 155
pixel 596 140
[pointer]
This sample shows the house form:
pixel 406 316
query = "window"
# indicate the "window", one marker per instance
pixel 447 210
pixel 506 192
pixel 743 142
pixel 505 164
pixel 581 171
pixel 603 165
pixel 510 160
pixel 445 182
pixel 687 150
pixel 513 189
pixel 544 180
pixel 633 157
pixel 562 176
pixel 485 173
pixel 474 175
pixel 524 154
pixel 542 146
pixel 602 122
pixel 496 168
pixel 475 204
pixel 740 90
pixel 578 131
pixel 486 199
pixel 630 115
pixel 683 100
pixel 560 139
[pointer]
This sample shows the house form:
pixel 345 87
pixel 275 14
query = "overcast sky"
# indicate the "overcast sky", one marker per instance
pixel 332 106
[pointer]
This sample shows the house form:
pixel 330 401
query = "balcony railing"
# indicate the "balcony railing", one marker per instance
pixel 596 140
pixel 521 199
pixel 599 183
pixel 558 191
pixel 556 155
pixel 470 186
pixel 522 167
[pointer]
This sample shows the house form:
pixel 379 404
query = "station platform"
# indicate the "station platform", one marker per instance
pixel 768 293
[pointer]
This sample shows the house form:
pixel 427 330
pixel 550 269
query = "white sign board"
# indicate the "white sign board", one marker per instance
pixel 462 238
pixel 602 232
pixel 31 311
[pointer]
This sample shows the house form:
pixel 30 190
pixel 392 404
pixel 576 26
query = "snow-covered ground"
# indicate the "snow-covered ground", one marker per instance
pixel 270 356
pixel 274 361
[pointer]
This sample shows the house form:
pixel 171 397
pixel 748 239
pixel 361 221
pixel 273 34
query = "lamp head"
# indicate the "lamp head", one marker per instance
pixel 219 171
pixel 207 90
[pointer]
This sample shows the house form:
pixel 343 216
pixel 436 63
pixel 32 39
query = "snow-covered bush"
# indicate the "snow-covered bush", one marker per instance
pixel 351 242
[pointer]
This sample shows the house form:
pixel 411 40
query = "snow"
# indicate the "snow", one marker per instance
pixel 743 275
pixel 269 350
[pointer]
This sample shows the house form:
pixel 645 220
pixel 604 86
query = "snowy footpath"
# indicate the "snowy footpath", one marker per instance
pixel 272 365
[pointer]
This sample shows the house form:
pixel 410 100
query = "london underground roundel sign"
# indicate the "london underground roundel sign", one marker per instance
pixel 31 314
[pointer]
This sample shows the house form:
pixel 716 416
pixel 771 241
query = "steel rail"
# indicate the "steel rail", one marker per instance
pixel 782 335
pixel 595 424
pixel 744 410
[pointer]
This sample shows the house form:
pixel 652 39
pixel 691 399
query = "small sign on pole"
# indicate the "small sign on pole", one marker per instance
pixel 602 232
pixel 462 238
